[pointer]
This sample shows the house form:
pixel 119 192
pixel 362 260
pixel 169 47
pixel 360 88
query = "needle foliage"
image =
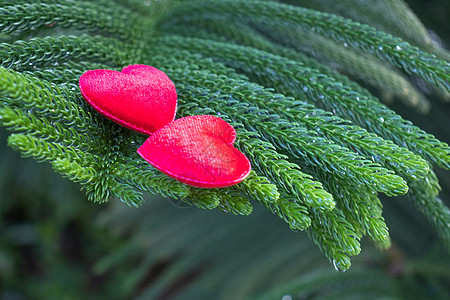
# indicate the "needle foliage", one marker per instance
pixel 306 89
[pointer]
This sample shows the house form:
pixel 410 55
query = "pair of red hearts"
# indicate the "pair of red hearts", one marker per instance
pixel 197 150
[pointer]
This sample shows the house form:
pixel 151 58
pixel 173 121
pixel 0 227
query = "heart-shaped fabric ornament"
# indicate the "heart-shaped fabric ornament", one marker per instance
pixel 197 150
pixel 140 97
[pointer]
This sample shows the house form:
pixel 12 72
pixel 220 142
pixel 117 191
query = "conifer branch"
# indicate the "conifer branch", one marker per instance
pixel 292 79
pixel 234 202
pixel 19 121
pixel 220 30
pixel 259 188
pixel 359 283
pixel 203 199
pixel 43 150
pixel 297 186
pixel 271 163
pixel 78 15
pixel 42 97
pixel 72 161
pixel 293 213
pixel 364 37
pixel 334 249
pixel 361 208
pixel 144 177
pixel 349 61
pixel 404 162
pixel 290 134
pixel 25 55
pixel 314 169
pixel 310 148
pixel 336 225
pixel 424 194
pixel 392 16
pixel 74 171
pixel 354 62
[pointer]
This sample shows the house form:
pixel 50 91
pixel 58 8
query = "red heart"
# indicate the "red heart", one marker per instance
pixel 140 97
pixel 197 150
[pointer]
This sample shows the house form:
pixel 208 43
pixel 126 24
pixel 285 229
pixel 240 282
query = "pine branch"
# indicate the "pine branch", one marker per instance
pixel 79 15
pixel 359 65
pixel 354 62
pixel 328 243
pixel 392 16
pixel 203 199
pixel 359 283
pixel 293 213
pixel 254 63
pixel 25 55
pixel 259 188
pixel 65 74
pixel 313 169
pixel 361 207
pixel 19 121
pixel 76 165
pixel 42 150
pixel 69 130
pixel 144 177
pixel 234 202
pixel 252 188
pixel 424 194
pixel 285 135
pixel 219 29
pixel 293 79
pixel 42 97
pixel 364 37
pixel 272 164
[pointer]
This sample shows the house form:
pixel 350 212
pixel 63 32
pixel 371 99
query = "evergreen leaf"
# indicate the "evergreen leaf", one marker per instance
pixel 310 148
pixel 255 63
pixel 364 37
pixel 320 145
pixel 79 15
pixel 272 164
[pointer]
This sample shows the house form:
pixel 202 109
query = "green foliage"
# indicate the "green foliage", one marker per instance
pixel 321 145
